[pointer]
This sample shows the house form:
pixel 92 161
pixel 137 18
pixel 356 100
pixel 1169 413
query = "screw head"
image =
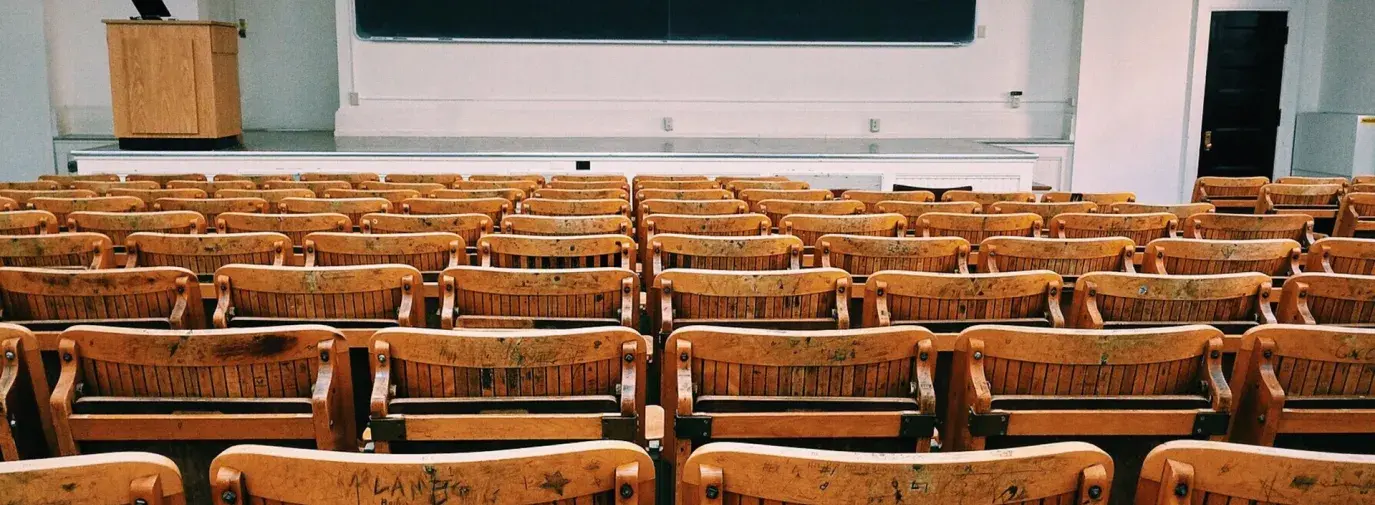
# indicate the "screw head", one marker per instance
pixel 67 357
pixel 9 354
pixel 1095 492
pixel 683 357
pixel 628 357
pixel 229 497
pixel 1268 354
pixel 923 356
pixel 324 356
pixel 627 491
pixel 140 501
pixel 1215 354
pixel 1181 489
pixel 713 492
pixel 1261 419
pixel 381 358
pixel 978 355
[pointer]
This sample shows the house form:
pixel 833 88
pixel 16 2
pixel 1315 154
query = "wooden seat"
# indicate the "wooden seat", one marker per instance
pixel 811 299
pixel 393 196
pixel 727 179
pixel 427 252
pixel 1229 194
pixel 486 297
pixel 531 385
pixel 977 227
pixel 752 197
pixel 565 225
pixel 271 196
pixel 952 302
pixel 639 178
pixel 210 188
pixel 914 210
pixel 777 209
pixel 532 252
pixel 1067 472
pixel 256 179
pixel 1219 226
pixel 43 299
pixel 353 179
pixel 587 178
pixel 1213 472
pixel 118 225
pixel 811 227
pixel 871 199
pixel 65 181
pixel 1103 200
pixel 282 383
pixel 468 226
pixel 1303 380
pixel 591 472
pixel 645 208
pixel 526 187
pixel 424 188
pixel 39 185
pixel 1312 180
pixel 24 394
pixel 163 179
pixel 27 222
pixel 317 187
pixel 87 251
pixel 596 186
pixel 494 208
pixel 1182 256
pixel 369 296
pixel 151 195
pixel 1321 201
pixel 204 254
pixel 294 226
pixel 772 252
pixel 1356 216
pixel 1328 299
pixel 1231 302
pixel 8 204
pixel 988 199
pixel 1042 382
pixel 863 256
pixel 1069 257
pixel 683 194
pixel 1047 211
pixel 22 197
pixel 1181 211
pixel 61 207
pixel 1355 179
pixel 1368 187
pixel 535 178
pixel 354 208
pixel 673 186
pixel 103 188
pixel 779 386
pixel 513 196
pixel 734 225
pixel 546 207
pixel 1342 256
pixel 117 477
pixel 211 208
pixel 442 179
pixel 740 185
pixel 1141 228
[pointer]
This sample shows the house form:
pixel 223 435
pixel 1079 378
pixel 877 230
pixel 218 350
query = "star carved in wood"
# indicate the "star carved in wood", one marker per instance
pixel 555 482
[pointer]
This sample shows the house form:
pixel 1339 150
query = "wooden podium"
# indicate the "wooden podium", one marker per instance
pixel 175 84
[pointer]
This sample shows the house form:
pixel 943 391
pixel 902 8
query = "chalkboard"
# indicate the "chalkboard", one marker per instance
pixel 743 21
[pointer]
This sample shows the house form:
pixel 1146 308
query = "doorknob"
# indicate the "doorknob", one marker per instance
pixel 1208 141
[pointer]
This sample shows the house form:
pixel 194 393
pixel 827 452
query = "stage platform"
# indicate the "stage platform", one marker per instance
pixel 827 163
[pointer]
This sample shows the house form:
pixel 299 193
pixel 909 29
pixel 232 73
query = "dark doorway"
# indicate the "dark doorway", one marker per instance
pixel 1241 98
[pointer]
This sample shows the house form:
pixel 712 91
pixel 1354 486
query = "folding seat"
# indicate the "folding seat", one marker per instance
pixel 1334 256
pixel 1184 256
pixel 1066 472
pixel 565 225
pixel 163 179
pixel 27 430
pixel 644 208
pixel 27 222
pixel 698 185
pixel 1069 257
pixel 1310 181
pixel 1215 472
pixel 752 197
pixel 211 208
pixel 209 188
pixel 1036 382
pixel 537 179
pixel 582 195
pixel 734 225
pixel 871 199
pixel 1328 299
pixel 1047 211
pixel 80 251
pixel 683 194
pixel 811 227
pixel 863 256
pixel 317 187
pixel 39 185
pixel 1355 179
pixel 442 388
pixel 1141 228
pixel 44 299
pixel 1103 200
pixel 424 188
pixel 977 227
pixel 621 184
pixel 285 383
pixel 1366 187
pixel 636 180
pixel 445 180
pixel 525 186
pixel 951 302
pixel 1229 194
pixel 394 196
pixel 987 199
pixel 134 477
pixel 776 209
pixel 204 254
pixel 866 390
pixel 354 179
pixel 1181 211
pixel 428 252
pixel 739 186
pixel 494 208
pixel 118 225
pixel 1320 201
pixel 102 188
pixel 294 226
pixel 368 296
pixel 1303 381
pixel 1230 302
pixel 1356 216
pixel 271 196
pixel 914 210
pixel 532 252
pixel 21 197
pixel 151 195
pixel 590 472
pixel 256 179
pixel 724 180
pixel 546 207
pixel 577 179
pixel 486 297
pixel 65 181
pixel 469 226
pixel 810 299
pixel 1296 227
pixel 8 204
pixel 61 207
pixel 512 196
pixel 771 252
pixel 354 208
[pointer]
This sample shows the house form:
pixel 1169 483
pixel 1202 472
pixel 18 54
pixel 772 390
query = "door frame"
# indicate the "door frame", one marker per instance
pixel 1198 78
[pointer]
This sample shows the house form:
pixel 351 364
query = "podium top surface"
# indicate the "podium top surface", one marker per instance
pixel 183 22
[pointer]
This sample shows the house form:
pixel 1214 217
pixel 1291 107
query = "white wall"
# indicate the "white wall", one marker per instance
pixel 1349 68
pixel 25 117
pixel 542 89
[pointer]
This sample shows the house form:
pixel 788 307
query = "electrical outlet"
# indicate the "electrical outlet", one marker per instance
pixel 668 124
pixel 981 32
pixel 873 125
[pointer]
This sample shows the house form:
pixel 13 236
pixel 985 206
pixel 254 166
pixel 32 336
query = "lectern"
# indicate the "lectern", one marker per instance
pixel 175 84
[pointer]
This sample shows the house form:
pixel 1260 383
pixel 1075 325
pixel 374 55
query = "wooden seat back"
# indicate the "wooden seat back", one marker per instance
pixel 1303 380
pixel 1054 382
pixel 771 252
pixel 594 186
pixel 8 204
pixel 1316 200
pixel 486 297
pixel 163 179
pixel 1312 180
pixel 271 196
pixel 494 208
pixel 118 225
pixel 427 252
pixel 526 187
pixel 353 179
pixel 1212 472
pixel 1066 472
pixel 1231 302
pixel 1141 228
pixel 637 179
pixel 1356 216
pixel 102 188
pixel 368 296
pixel 22 197
pixel 392 196
pixel 739 186
pixel 87 251
pixel 204 254
pixel 1361 188
pixel 256 179
pixel 116 477
pixel 1328 299
pixel 210 188
pixel 697 185
pixel 282 383
pixel 1047 210
pixel 532 252
pixel 734 225
pixel 354 208
pixel 211 208
pixel 1183 256
pixel 546 207
pixel 151 195
pixel 914 210
pixel 810 299
pixel 862 256
pixel 28 222
pixel 535 178
pixel 511 195
pixel 952 302
pixel 1338 256
pixel 1069 257
pixel 424 188
pixel 777 209
pixel 38 185
pixel 61 207
pixel 1234 194
pixel 1219 226
pixel 988 199
pixel 1103 200
pixel 645 208
pixel 871 199
pixel 591 472
pixel 727 179
pixel 683 194
pixel 565 225
pixel 811 227
pixel 754 196
pixel 45 299
pixel 456 386
pixel 445 180
pixel 977 227
pixel 294 226
pixel 1181 211
pixel 65 181
pixel 579 178
pixel 317 187
pixel 27 432
pixel 469 226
